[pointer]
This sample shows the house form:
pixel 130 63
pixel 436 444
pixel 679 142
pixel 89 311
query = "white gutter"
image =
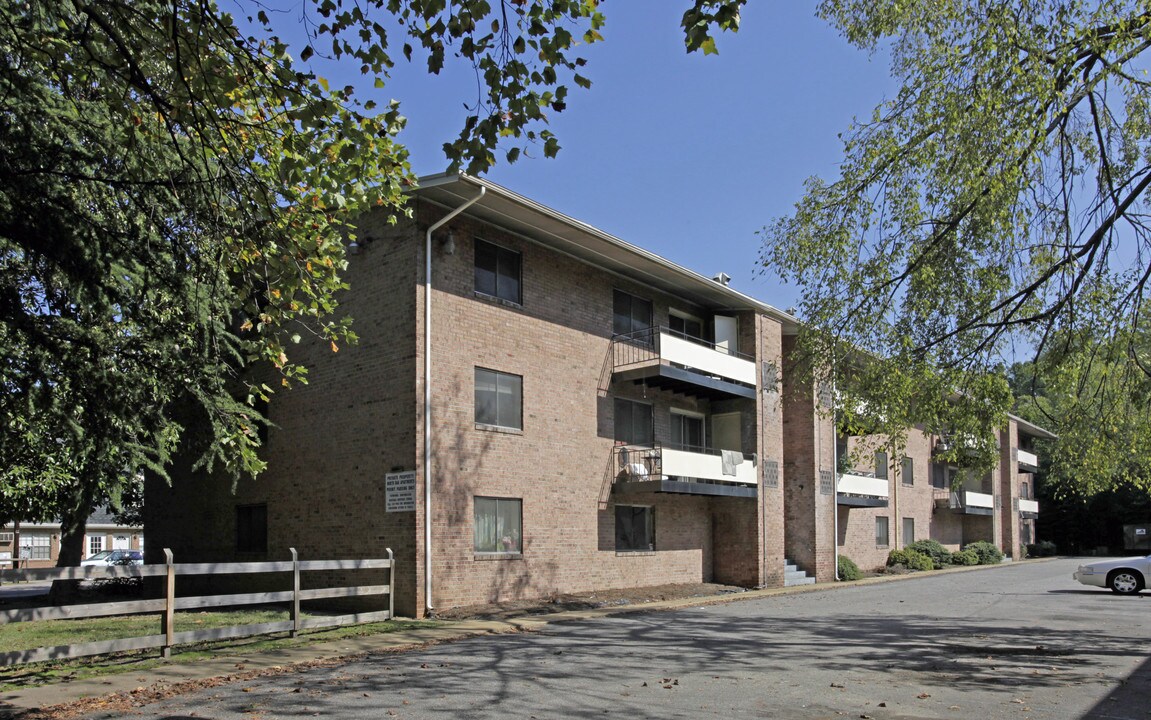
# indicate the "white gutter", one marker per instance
pixel 428 393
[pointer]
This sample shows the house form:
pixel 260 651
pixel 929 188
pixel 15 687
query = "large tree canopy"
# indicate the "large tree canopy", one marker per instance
pixel 996 204
pixel 175 199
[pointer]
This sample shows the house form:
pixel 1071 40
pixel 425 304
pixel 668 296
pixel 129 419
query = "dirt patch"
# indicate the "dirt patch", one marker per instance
pixel 586 600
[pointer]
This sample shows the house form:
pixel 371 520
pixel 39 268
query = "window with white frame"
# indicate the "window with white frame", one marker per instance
pixel 634 528
pixel 41 544
pixel 6 538
pixel 908 531
pixel 498 525
pixel 95 544
pixel 907 472
pixel 499 399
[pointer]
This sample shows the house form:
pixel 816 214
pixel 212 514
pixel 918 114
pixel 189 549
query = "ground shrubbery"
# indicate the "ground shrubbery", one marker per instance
pixel 940 556
pixel 964 557
pixel 988 553
pixel 848 570
pixel 1044 548
pixel 909 559
pixel 930 554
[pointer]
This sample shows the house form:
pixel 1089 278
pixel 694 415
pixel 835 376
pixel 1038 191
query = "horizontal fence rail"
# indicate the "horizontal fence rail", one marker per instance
pixel 167 606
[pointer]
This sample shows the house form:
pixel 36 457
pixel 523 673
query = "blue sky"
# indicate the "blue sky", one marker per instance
pixel 684 155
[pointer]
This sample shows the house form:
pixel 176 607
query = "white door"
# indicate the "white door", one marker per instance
pixel 726 333
pixel 121 542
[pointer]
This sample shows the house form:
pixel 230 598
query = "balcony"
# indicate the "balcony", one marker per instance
pixel 1028 509
pixel 663 358
pixel 861 490
pixel 686 471
pixel 966 502
pixel 1028 461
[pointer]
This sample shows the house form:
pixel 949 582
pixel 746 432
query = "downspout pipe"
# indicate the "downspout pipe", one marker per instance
pixel 428 605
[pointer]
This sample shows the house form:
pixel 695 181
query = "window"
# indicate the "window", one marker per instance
pixel 95 544
pixel 498 525
pixel 939 476
pixel 40 545
pixel 687 431
pixel 631 314
pixel 1025 491
pixel 634 528
pixel 685 325
pixel 881 537
pixel 499 399
pixel 907 473
pixel 5 538
pixel 881 464
pixel 1025 534
pixel 908 531
pixel 252 528
pixel 498 272
pixel 633 422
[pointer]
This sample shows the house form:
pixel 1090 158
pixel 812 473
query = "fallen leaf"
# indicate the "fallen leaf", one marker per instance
pixel 923 696
pixel 836 685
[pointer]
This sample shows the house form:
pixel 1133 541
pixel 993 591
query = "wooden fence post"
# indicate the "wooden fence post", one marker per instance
pixel 169 606
pixel 391 585
pixel 295 593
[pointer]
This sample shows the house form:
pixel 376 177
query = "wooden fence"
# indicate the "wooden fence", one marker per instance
pixel 169 604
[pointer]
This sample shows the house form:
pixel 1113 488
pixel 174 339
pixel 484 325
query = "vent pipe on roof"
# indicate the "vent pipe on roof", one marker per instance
pixel 722 278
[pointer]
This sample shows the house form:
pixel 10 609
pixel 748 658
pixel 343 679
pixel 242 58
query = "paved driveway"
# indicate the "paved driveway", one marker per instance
pixel 1020 641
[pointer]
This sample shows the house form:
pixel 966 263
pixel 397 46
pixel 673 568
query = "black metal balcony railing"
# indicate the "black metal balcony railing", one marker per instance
pixel 639 462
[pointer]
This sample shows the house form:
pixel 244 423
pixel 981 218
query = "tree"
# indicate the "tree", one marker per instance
pixel 175 199
pixel 997 202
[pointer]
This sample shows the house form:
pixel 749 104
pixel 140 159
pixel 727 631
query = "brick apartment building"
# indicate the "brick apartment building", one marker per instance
pixel 599 418
pixel 37 545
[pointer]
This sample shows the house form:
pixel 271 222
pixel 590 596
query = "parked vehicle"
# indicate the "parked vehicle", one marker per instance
pixel 115 557
pixel 1125 576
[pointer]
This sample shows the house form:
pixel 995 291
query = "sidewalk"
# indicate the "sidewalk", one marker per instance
pixel 158 681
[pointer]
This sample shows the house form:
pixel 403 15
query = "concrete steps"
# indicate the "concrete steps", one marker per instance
pixel 793 576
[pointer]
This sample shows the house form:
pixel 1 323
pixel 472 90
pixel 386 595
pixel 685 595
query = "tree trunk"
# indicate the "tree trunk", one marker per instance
pixel 72 528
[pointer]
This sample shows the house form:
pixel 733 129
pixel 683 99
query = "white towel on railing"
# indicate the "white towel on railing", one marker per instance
pixel 728 460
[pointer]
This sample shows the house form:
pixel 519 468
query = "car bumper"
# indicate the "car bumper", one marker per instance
pixel 1093 579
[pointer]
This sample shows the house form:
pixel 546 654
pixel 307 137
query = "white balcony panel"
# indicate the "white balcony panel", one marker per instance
pixel 979 500
pixel 705 359
pixel 1028 458
pixel 1031 506
pixel 705 467
pixel 862 485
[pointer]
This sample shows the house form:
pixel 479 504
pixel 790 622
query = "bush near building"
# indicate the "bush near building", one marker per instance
pixel 987 552
pixel 965 557
pixel 848 570
pixel 909 559
pixel 1045 548
pixel 940 556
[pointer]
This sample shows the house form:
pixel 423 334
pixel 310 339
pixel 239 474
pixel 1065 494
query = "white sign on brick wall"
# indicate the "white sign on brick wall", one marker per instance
pixel 400 491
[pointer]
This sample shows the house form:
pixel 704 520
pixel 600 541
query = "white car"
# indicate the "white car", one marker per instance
pixel 107 558
pixel 1125 576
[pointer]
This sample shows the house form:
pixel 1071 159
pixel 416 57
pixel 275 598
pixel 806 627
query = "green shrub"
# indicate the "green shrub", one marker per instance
pixel 939 555
pixel 1044 548
pixel 848 570
pixel 965 557
pixel 988 553
pixel 910 559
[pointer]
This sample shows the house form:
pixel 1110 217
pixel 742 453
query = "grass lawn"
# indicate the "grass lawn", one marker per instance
pixel 48 633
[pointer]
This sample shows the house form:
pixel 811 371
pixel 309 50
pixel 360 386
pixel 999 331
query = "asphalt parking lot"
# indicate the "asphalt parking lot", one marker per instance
pixel 1016 641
